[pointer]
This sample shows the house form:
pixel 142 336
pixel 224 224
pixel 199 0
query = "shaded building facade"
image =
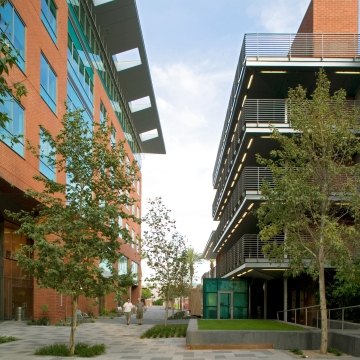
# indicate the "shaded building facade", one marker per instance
pixel 269 65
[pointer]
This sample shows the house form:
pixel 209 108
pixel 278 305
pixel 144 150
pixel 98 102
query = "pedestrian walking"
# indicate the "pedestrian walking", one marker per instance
pixel 127 308
pixel 140 307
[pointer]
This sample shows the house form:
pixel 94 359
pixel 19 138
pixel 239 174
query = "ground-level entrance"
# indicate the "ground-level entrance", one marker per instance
pixel 225 299
pixel 16 300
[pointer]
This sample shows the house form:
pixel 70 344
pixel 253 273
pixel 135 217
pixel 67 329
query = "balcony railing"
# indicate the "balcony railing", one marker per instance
pixel 279 47
pixel 247 249
pixel 258 113
pixel 251 179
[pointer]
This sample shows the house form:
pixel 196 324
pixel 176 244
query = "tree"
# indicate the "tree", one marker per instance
pixel 193 258
pixel 75 227
pixel 8 58
pixel 146 293
pixel 165 251
pixel 314 198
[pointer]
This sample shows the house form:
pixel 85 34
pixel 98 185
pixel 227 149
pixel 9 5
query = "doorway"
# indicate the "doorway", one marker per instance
pixel 225 305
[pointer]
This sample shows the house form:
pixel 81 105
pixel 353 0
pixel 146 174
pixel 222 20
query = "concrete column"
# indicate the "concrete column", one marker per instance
pixel 265 299
pixel 285 298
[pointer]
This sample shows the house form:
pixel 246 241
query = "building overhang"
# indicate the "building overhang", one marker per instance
pixel 120 27
pixel 265 270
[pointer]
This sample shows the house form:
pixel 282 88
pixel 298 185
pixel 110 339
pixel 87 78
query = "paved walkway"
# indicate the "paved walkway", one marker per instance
pixel 123 342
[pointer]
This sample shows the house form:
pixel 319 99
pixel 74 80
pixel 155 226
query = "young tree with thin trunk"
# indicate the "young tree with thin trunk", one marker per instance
pixel 165 251
pixel 75 228
pixel 314 198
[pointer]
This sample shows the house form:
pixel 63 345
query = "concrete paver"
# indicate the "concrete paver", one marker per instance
pixel 123 342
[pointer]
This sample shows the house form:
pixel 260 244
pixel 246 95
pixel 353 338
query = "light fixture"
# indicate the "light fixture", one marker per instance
pixel 236 176
pixel 243 102
pixel 244 157
pixel 275 269
pixel 250 206
pixel 348 72
pixel 250 81
pixel 239 167
pixel 250 142
pixel 273 72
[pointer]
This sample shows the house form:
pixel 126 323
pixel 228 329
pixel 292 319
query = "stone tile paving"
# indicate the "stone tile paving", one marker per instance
pixel 123 343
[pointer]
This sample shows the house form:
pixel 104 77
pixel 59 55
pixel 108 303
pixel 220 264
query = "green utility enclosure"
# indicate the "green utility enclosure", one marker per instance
pixel 225 299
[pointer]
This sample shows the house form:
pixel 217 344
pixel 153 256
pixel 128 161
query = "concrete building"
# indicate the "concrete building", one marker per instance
pixel 270 64
pixel 92 54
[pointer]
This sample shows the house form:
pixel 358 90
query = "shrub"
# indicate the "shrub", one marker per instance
pixel 161 331
pixel 81 350
pixel 5 339
pixel 335 351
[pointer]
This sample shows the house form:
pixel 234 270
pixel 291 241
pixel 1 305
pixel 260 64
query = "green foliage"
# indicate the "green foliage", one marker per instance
pixel 43 320
pixel 158 302
pixel 5 339
pixel 297 352
pixel 165 251
pixel 81 350
pixel 334 351
pixel 75 226
pixel 165 331
pixel 192 258
pixel 179 315
pixel 146 293
pixel 314 199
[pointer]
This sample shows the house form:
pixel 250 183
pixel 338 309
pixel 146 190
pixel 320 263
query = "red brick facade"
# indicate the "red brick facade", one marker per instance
pixel 18 171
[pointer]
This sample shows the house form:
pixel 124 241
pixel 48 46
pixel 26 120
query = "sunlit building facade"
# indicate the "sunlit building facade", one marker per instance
pixel 269 65
pixel 91 55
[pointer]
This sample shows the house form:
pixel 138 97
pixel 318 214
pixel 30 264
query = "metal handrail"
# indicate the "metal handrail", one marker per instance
pixel 316 311
pixel 279 47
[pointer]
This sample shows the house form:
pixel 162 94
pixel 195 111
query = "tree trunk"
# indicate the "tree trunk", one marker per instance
pixel 73 324
pixel 166 309
pixel 323 310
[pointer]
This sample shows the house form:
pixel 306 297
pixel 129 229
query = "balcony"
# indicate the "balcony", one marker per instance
pixel 251 180
pixel 286 49
pixel 256 113
pixel 248 249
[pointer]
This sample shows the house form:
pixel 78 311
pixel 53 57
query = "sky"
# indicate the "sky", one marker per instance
pixel 193 48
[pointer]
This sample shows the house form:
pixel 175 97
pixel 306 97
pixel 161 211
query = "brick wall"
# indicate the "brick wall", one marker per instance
pixel 331 16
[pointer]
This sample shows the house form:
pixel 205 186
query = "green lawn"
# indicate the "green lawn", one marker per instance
pixel 246 324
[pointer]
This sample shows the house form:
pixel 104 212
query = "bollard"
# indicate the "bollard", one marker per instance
pixel 18 313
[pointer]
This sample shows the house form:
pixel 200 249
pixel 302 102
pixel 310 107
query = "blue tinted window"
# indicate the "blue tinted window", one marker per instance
pixel 48 17
pixel 14 29
pixel 47 158
pixel 13 132
pixel 75 103
pixel 47 83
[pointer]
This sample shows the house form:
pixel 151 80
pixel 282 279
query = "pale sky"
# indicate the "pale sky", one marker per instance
pixel 193 48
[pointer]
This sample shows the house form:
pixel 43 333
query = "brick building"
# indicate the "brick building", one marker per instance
pixel 91 54
pixel 270 64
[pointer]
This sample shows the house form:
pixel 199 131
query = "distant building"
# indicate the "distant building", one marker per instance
pixel 270 64
pixel 91 54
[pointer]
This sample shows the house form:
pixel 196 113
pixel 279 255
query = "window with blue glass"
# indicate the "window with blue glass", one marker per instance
pixel 79 67
pixel 48 17
pixel 12 133
pixel 47 83
pixel 14 29
pixel 123 265
pixel 47 157
pixel 75 102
